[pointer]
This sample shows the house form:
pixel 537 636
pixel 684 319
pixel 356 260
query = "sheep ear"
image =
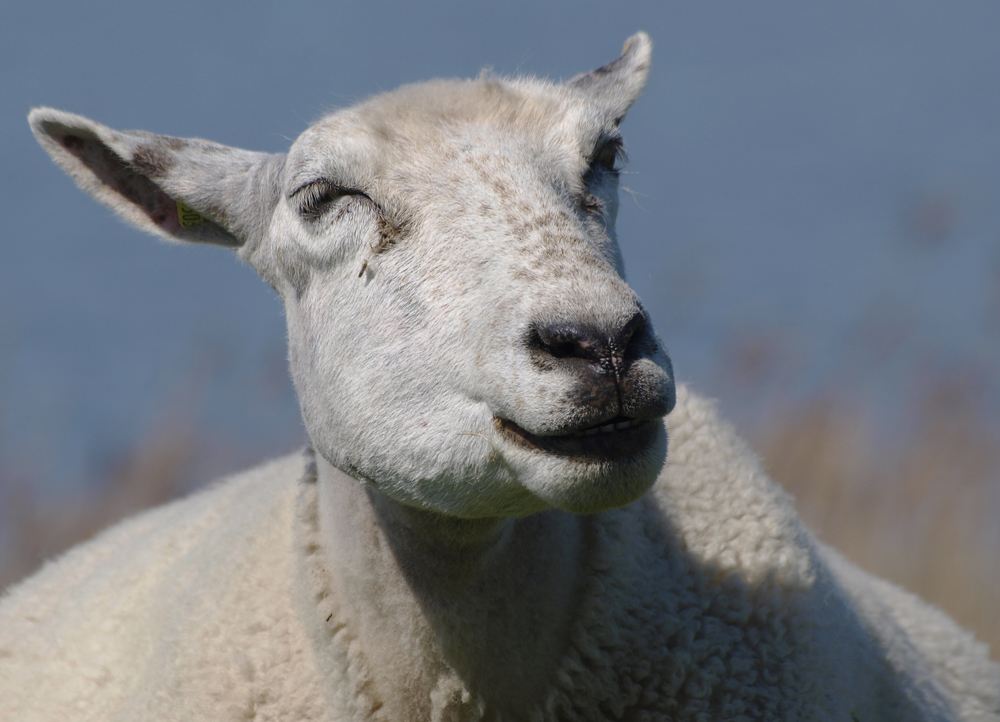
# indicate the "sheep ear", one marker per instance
pixel 616 86
pixel 180 189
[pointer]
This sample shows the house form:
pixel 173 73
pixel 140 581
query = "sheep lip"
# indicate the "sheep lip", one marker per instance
pixel 616 438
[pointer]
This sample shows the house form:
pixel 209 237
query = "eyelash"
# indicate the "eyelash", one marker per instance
pixel 607 156
pixel 603 162
pixel 315 198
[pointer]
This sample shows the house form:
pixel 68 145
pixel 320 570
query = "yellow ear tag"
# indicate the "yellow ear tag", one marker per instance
pixel 188 216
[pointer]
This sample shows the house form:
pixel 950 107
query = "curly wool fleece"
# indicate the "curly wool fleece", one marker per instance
pixel 704 600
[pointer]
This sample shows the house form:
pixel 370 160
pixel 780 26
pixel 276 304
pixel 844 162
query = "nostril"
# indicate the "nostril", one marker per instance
pixel 567 341
pixel 564 342
pixel 629 331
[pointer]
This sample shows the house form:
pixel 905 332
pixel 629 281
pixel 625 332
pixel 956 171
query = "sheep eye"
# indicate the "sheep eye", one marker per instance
pixel 606 157
pixel 315 198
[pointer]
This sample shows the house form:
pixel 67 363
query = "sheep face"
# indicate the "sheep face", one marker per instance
pixel 461 336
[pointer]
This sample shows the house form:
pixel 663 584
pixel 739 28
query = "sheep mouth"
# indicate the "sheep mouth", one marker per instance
pixel 617 438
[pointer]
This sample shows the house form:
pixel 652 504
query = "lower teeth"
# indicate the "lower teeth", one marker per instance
pixel 607 428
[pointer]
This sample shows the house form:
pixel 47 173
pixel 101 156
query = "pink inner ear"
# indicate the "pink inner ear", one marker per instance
pixel 117 175
pixel 164 212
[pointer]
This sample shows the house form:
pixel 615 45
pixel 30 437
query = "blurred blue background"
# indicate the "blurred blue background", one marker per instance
pixel 812 205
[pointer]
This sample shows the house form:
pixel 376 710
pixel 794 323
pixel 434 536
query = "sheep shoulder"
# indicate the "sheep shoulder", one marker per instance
pixel 182 610
pixel 858 645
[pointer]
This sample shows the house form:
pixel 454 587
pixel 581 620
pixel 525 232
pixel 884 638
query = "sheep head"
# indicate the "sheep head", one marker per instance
pixel 460 332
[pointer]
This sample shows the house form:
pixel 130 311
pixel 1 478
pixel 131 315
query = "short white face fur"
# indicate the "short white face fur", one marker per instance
pixel 460 333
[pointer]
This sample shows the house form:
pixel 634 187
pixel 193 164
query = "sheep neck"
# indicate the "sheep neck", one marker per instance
pixel 476 610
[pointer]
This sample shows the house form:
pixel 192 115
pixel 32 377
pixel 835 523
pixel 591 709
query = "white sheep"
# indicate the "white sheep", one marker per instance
pixel 486 529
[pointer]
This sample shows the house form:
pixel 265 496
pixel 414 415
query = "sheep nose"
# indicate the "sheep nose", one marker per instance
pixel 562 342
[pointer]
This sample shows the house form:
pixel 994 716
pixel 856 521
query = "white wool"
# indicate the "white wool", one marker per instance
pixel 219 607
pixel 486 529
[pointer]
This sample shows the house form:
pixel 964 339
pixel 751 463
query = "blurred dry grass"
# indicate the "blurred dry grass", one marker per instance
pixel 921 511
pixel 38 528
